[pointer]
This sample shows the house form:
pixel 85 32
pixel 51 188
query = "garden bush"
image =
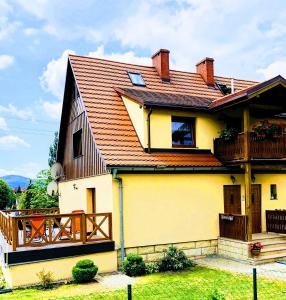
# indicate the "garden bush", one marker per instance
pixel 46 279
pixel 84 271
pixel 152 268
pixel 134 265
pixel 174 260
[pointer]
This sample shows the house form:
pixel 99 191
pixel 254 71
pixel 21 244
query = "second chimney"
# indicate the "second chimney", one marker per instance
pixel 206 69
pixel 161 62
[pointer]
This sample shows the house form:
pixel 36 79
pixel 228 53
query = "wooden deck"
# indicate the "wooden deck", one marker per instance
pixel 46 227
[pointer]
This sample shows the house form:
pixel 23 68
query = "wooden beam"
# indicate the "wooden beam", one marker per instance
pixel 247 171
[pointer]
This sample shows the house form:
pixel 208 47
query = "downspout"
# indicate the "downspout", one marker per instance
pixel 149 129
pixel 119 179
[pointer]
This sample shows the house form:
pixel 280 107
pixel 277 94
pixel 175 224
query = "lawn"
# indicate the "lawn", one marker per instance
pixel 197 283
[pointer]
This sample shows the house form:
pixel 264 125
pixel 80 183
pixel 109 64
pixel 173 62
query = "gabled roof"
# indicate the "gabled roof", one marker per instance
pixel 246 93
pixel 115 136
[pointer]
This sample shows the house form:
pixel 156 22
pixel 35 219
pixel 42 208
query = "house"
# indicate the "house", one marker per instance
pixel 154 157
pixel 143 143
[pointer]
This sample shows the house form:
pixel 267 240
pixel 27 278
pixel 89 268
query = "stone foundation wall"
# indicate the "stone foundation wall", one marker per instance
pixel 237 250
pixel 193 250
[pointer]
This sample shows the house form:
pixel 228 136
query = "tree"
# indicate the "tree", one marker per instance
pixel 36 194
pixel 53 150
pixel 7 196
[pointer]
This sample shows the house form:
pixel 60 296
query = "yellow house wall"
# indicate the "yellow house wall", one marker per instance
pixel 174 208
pixel 138 118
pixel 207 128
pixel 60 268
pixel 76 199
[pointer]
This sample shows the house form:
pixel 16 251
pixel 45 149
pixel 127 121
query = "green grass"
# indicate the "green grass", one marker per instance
pixel 197 283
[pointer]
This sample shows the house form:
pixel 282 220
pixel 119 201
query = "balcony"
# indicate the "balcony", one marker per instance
pixel 232 150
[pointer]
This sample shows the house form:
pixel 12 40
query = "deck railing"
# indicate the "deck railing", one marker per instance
pixel 276 221
pixel 45 229
pixel 233 226
pixel 232 149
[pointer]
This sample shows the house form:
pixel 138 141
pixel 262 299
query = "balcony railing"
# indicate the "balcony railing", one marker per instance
pixel 260 148
pixel 233 226
pixel 43 227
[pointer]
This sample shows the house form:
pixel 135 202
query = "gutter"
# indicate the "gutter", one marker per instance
pixel 119 179
pixel 149 129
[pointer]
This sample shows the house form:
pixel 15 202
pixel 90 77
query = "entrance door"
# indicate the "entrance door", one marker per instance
pixel 232 199
pixel 256 207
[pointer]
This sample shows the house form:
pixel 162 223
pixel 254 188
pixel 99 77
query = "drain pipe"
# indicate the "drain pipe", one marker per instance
pixel 149 129
pixel 119 179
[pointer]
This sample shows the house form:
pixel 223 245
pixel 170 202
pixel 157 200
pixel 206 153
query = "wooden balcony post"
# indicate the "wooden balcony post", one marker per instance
pixel 83 228
pixel 247 171
pixel 14 233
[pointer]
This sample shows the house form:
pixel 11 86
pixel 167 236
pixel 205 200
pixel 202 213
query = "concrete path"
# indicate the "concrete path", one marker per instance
pixel 273 270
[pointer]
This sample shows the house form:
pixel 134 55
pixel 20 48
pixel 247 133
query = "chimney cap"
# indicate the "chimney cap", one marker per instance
pixel 160 51
pixel 205 59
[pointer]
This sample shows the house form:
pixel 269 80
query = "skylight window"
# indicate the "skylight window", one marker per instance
pixel 224 88
pixel 136 78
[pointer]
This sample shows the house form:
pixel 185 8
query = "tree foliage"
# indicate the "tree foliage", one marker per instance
pixel 36 195
pixel 7 196
pixel 53 150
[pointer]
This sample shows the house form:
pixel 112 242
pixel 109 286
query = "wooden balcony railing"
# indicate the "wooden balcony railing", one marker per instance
pixel 233 226
pixel 39 230
pixel 276 221
pixel 260 148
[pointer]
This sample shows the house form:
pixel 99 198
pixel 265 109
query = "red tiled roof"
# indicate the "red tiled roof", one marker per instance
pixel 112 128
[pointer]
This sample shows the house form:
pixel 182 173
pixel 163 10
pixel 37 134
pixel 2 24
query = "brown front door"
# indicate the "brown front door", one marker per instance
pixel 232 199
pixel 256 207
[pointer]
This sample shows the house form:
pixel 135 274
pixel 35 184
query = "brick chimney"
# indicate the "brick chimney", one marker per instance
pixel 161 62
pixel 206 69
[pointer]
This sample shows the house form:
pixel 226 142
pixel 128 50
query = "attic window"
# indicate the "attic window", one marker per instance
pixel 77 144
pixel 136 78
pixel 225 89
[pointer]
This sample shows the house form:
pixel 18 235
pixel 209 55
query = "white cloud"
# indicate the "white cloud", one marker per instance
pixel 11 109
pixel 239 40
pixel 6 61
pixel 3 124
pixel 29 169
pixel 127 57
pixel 274 69
pixel 30 31
pixel 11 141
pixel 53 77
pixel 53 109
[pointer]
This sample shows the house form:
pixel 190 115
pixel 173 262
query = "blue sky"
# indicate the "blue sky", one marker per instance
pixel 247 40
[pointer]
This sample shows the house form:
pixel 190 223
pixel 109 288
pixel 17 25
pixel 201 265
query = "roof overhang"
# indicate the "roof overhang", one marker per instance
pixel 251 94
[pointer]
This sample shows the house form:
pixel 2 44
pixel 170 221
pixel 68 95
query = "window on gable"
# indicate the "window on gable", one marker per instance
pixel 183 132
pixel 136 78
pixel 77 144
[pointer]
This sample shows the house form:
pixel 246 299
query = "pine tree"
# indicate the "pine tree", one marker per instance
pixel 53 150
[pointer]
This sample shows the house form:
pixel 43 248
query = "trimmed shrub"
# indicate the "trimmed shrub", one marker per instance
pixel 134 265
pixel 84 271
pixel 174 260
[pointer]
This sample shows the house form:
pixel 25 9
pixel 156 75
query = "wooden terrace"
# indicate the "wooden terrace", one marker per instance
pixel 39 229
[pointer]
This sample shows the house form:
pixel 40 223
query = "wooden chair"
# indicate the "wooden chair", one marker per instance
pixel 38 226
pixel 76 221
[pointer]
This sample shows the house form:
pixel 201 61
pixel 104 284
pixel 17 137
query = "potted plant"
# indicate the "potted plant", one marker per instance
pixel 268 130
pixel 228 133
pixel 255 248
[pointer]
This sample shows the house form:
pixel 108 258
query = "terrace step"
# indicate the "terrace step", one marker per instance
pixel 273 250
pixel 268 258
